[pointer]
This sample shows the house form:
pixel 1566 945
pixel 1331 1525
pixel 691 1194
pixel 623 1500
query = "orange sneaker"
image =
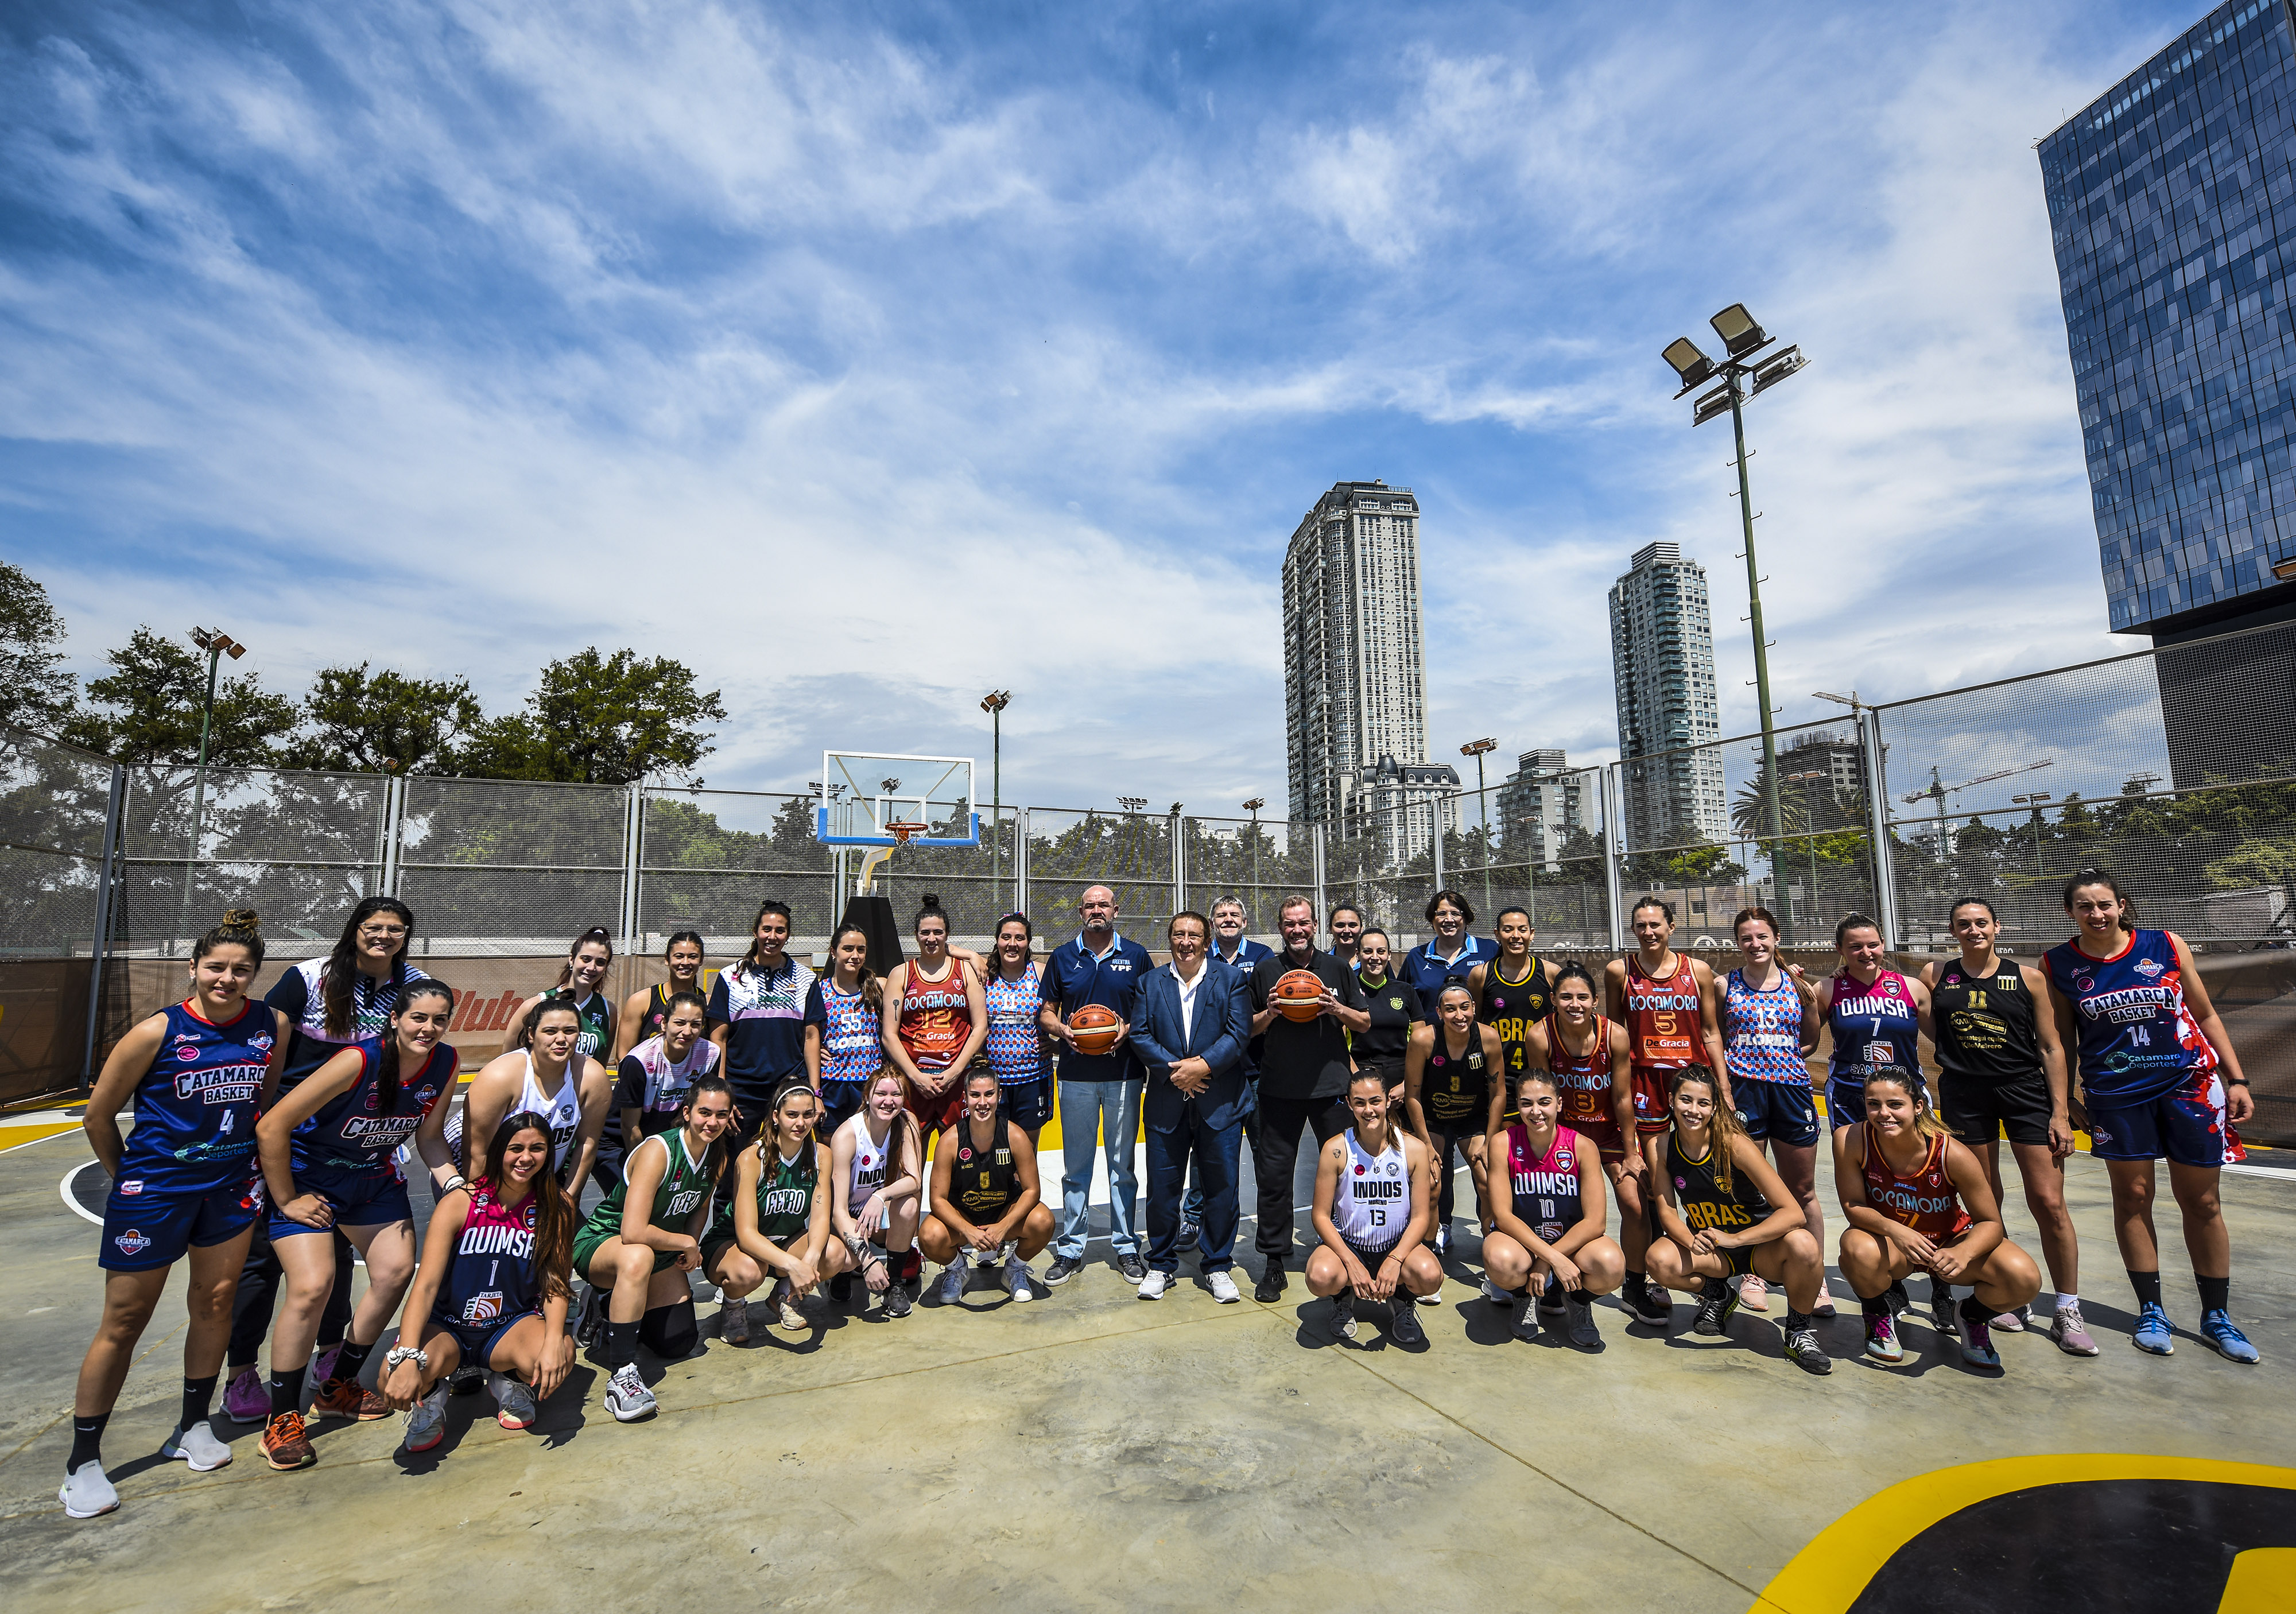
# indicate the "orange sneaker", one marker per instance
pixel 345 1399
pixel 285 1445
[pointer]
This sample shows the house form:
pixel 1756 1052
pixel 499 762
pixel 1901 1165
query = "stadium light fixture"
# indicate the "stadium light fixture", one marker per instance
pixel 1479 750
pixel 1740 331
pixel 1690 365
pixel 994 703
pixel 217 645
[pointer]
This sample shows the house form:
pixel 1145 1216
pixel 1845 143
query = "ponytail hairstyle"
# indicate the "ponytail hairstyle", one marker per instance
pixel 932 909
pixel 1572 970
pixel 872 990
pixel 557 998
pixel 713 1158
pixel 684 996
pixel 1723 1127
pixel 597 933
pixel 1028 932
pixel 769 1148
pixel 2094 876
pixel 1925 1118
pixel 386 1064
pixel 749 959
pixel 676 937
pixel 338 975
pixel 1853 922
pixel 239 928
pixel 553 1212
pixel 1746 916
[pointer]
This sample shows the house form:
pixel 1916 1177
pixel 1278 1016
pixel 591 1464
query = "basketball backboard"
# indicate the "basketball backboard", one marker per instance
pixel 865 795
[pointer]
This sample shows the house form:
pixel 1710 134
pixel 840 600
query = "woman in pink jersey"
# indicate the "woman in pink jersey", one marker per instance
pixel 1548 1226
pixel 1918 1200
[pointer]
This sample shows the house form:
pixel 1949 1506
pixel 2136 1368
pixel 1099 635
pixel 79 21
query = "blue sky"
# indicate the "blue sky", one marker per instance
pixel 866 356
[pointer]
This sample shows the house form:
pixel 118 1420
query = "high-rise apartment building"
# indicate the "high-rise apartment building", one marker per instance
pixel 1536 808
pixel 1662 670
pixel 1354 673
pixel 2165 197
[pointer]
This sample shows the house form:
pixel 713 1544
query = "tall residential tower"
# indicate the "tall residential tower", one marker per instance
pixel 1355 673
pixel 1662 669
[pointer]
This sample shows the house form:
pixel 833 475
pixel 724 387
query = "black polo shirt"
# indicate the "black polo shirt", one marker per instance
pixel 1307 1061
pixel 1394 1010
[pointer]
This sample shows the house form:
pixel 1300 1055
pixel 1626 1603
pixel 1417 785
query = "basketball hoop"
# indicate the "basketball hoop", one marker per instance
pixel 901 829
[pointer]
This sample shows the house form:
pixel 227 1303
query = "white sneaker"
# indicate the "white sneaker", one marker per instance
pixel 626 1396
pixel 1153 1286
pixel 1434 1297
pixel 426 1420
pixel 1019 1282
pixel 85 1493
pixel 1223 1286
pixel 197 1447
pixel 1495 1295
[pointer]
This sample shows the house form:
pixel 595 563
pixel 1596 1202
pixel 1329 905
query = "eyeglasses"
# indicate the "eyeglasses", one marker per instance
pixel 382 930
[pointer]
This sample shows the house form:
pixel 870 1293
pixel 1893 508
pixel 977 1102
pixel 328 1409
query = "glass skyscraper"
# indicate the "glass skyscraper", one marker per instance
pixel 2172 202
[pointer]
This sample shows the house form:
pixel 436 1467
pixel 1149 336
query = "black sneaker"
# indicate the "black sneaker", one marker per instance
pixel 1062 1270
pixel 593 1318
pixel 1578 1322
pixel 1943 1315
pixel 1132 1267
pixel 1403 1324
pixel 1900 1302
pixel 1804 1351
pixel 1550 1300
pixel 1190 1231
pixel 840 1288
pixel 1654 1306
pixel 1716 1302
pixel 1270 1287
pixel 897 1300
pixel 1525 1324
pixel 466 1380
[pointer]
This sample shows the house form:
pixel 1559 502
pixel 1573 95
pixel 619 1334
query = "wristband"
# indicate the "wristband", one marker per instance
pixel 454 1182
pixel 2236 1081
pixel 415 1353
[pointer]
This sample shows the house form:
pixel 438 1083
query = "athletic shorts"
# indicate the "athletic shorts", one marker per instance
pixel 1845 1099
pixel 586 1246
pixel 1650 1086
pixel 2187 1127
pixel 1468 1122
pixel 841 1101
pixel 1978 1110
pixel 1605 1131
pixel 361 1198
pixel 144 1228
pixel 1391 1071
pixel 936 1113
pixel 477 1340
pixel 1371 1258
pixel 1028 1105
pixel 1784 1112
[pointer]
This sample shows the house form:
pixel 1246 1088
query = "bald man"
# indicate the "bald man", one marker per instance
pixel 1099 1093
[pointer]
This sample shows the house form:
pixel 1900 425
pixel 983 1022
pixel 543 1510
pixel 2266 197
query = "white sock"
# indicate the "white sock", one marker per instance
pixel 2067 1301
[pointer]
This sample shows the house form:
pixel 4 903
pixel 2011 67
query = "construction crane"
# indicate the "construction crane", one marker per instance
pixel 1938 791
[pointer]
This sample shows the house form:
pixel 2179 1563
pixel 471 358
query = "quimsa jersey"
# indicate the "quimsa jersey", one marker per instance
pixel 852 1035
pixel 1512 1008
pixel 683 1188
pixel 1372 1206
pixel 349 1134
pixel 1546 1187
pixel 1016 1044
pixel 493 1276
pixel 2137 1038
pixel 1663 1025
pixel 195 1109
pixel 1761 1030
pixel 1874 1028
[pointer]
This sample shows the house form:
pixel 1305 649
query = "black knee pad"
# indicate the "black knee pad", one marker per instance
pixel 670 1332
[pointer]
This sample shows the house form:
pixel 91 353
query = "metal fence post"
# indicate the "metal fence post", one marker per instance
pixel 1318 841
pixel 394 831
pixel 1614 863
pixel 633 807
pixel 1021 863
pixel 1179 863
pixel 115 804
pixel 1877 813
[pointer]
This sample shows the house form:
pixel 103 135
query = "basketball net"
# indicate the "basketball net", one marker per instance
pixel 900 830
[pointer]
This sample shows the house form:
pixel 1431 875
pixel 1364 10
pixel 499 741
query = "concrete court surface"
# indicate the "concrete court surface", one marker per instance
pixel 1088 1450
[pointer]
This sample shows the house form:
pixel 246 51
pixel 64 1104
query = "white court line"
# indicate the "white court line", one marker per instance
pixel 71 1204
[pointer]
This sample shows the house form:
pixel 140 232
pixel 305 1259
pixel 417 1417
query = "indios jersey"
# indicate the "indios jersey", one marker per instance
pixel 1663 1026
pixel 1926 1200
pixel 350 1133
pixel 1874 1028
pixel 493 1276
pixel 195 1108
pixel 1015 1045
pixel 1761 1030
pixel 2137 1037
pixel 936 1017
pixel 685 1186
pixel 1371 1205
pixel 870 1158
pixel 1547 1186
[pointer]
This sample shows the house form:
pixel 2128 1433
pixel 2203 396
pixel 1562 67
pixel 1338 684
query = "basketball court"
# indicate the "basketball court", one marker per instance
pixel 1089 1450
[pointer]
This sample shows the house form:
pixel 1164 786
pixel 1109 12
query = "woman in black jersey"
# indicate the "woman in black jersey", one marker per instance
pixel 1394 1012
pixel 1724 1213
pixel 1513 996
pixel 1447 1070
pixel 986 1201
pixel 644 1011
pixel 2002 1068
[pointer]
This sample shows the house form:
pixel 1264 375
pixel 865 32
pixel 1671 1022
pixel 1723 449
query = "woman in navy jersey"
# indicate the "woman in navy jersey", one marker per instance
pixel 327 1152
pixel 644 1011
pixel 2158 1076
pixel 183 1183
pixel 1548 1227
pixel 492 1289
pixel 1874 1013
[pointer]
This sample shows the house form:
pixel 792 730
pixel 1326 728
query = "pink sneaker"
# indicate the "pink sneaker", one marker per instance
pixel 245 1400
pixel 1753 1294
pixel 323 1366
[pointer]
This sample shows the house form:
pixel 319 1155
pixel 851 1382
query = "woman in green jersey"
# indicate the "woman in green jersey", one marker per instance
pixel 775 1221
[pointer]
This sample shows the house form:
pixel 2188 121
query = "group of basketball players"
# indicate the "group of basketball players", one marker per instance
pixel 778 1134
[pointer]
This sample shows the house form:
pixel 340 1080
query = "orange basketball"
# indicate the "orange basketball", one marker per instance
pixel 1299 995
pixel 1094 1028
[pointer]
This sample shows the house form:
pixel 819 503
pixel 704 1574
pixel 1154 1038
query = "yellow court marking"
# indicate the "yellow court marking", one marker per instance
pixel 16 1137
pixel 1828 1574
pixel 2259 1582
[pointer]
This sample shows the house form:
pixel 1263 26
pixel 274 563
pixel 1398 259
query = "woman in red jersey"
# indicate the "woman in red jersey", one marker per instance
pixel 936 1019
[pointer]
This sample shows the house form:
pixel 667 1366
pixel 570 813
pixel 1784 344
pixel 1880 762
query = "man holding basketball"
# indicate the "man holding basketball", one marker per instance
pixel 1099 1092
pixel 1303 1071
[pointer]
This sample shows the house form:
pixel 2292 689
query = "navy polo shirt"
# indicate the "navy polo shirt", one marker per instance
pixel 1248 952
pixel 1074 978
pixel 766 1015
pixel 1428 973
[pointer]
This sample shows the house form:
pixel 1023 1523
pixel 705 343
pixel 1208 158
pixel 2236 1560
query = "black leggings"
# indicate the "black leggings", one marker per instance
pixel 1446 1180
pixel 259 1296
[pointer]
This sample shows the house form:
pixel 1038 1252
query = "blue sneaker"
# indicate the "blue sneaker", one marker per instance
pixel 2231 1344
pixel 2152 1333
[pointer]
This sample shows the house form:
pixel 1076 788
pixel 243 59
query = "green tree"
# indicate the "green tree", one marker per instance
pixel 36 692
pixel 358 722
pixel 599 720
pixel 153 693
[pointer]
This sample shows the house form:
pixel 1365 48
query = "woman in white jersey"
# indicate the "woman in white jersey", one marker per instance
pixel 1374 1197
pixel 1548 1227
pixel 1769 1023
pixel 547 1074
pixel 876 1176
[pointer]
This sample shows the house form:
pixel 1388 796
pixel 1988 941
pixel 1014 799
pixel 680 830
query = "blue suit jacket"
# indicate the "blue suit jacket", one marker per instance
pixel 1222 1026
